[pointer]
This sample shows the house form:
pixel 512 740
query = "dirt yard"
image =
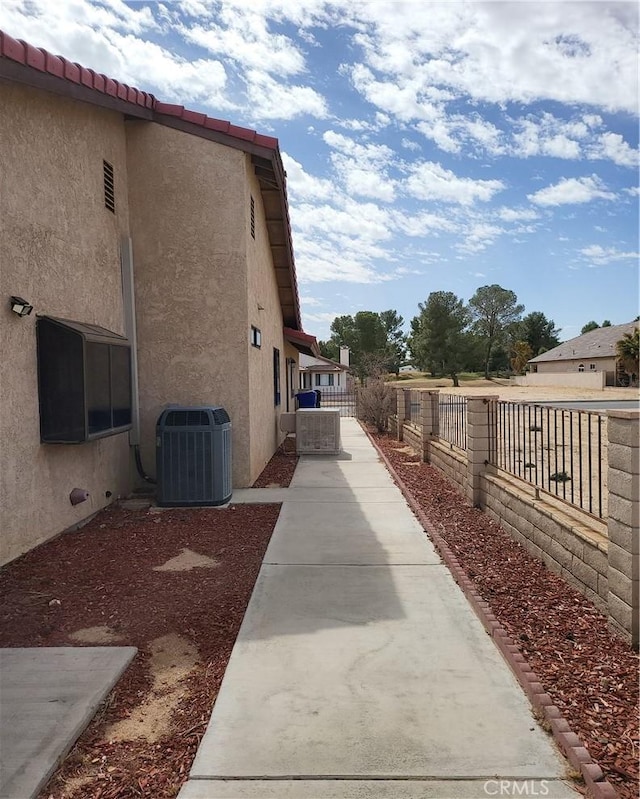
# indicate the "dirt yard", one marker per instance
pixel 506 391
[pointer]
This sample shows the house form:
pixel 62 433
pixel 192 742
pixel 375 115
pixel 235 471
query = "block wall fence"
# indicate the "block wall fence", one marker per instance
pixel 600 557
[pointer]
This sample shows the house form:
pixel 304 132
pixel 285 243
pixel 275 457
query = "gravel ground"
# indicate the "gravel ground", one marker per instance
pixel 590 673
pixel 279 471
pixel 174 583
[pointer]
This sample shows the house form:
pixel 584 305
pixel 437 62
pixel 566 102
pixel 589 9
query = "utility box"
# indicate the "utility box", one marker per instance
pixel 193 456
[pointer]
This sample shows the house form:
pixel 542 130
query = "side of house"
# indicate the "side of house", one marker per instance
pixel 60 250
pixel 587 361
pixel 168 229
pixel 325 375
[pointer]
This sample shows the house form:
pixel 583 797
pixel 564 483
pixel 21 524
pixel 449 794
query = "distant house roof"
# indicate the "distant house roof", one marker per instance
pixel 321 364
pixel 599 343
pixel 23 63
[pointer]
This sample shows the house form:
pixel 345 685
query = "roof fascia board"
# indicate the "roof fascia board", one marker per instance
pixel 20 73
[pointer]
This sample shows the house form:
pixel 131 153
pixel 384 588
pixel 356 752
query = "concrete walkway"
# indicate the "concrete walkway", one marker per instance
pixel 360 669
pixel 48 695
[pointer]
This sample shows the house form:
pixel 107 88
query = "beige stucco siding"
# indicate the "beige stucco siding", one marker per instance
pixel 189 225
pixel 264 312
pixel 571 365
pixel 60 250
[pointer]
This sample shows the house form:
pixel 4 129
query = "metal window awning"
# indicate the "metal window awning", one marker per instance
pixel 303 342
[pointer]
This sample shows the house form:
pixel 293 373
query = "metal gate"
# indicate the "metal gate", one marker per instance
pixel 335 397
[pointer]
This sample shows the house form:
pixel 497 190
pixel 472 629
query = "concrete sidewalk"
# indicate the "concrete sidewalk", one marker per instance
pixel 360 669
pixel 48 695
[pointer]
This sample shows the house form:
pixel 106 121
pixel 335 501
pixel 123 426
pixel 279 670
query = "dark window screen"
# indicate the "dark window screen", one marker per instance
pixel 61 384
pixel 98 379
pixel 121 385
pixel 84 383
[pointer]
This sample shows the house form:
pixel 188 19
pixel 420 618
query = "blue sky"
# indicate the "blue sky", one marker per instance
pixel 428 145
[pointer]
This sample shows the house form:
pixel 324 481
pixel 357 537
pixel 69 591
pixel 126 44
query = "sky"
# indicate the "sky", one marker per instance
pixel 429 146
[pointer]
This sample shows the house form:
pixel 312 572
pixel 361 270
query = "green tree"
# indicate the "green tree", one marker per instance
pixel 396 345
pixel 329 349
pixel 493 309
pixel 539 332
pixel 628 354
pixel 375 341
pixel 438 340
pixel 592 325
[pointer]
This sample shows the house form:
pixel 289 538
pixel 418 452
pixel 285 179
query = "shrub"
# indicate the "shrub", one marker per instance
pixel 376 402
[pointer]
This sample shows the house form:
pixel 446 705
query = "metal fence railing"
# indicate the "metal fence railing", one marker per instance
pixel 560 451
pixel 452 419
pixel 412 406
pixel 335 397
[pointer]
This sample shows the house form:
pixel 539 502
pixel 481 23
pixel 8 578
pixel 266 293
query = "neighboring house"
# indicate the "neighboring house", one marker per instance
pixel 165 234
pixel 572 362
pixel 330 377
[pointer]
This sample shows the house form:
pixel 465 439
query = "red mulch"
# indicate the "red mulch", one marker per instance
pixel 590 673
pixel 103 574
pixel 279 471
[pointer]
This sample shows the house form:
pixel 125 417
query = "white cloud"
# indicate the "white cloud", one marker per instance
pixel 362 168
pixel 612 146
pixel 422 224
pixel 304 186
pixel 430 181
pixel 517 214
pixel 479 236
pixel 408 144
pixel 498 52
pixel 605 255
pixel 270 99
pixel 572 191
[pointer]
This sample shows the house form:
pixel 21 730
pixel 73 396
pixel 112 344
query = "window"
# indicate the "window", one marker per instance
pixel 318 380
pixel 581 367
pixel 253 218
pixel 592 367
pixel 256 337
pixel 329 380
pixel 276 376
pixel 109 190
pixel 84 381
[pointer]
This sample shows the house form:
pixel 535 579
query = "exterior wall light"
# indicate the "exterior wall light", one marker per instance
pixel 20 306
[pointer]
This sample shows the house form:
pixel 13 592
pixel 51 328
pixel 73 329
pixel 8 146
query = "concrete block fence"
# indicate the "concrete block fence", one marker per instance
pixel 600 557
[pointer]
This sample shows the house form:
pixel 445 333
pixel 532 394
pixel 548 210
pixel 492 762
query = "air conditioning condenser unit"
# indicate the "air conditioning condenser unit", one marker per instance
pixel 318 431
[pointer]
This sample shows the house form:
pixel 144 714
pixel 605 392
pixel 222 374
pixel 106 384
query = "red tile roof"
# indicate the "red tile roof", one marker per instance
pixel 148 106
pixel 37 58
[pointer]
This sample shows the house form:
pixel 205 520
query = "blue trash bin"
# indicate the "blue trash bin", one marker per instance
pixel 306 399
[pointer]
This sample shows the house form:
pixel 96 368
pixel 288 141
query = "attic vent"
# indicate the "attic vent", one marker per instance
pixel 253 219
pixel 109 193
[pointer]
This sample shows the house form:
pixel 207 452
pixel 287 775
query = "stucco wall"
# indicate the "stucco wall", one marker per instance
pixel 60 250
pixel 188 214
pixel 571 365
pixel 593 380
pixel 264 312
